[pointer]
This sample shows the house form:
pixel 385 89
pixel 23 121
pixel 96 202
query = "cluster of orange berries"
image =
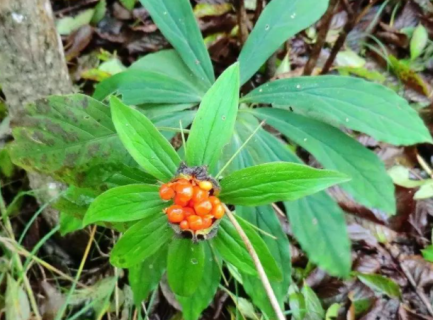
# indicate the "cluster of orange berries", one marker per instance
pixel 194 207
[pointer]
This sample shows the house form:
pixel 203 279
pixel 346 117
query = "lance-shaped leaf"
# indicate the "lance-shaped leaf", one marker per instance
pixel 126 203
pixel 141 241
pixel 213 125
pixel 370 184
pixel 144 142
pixel 318 217
pixel 66 136
pixel 280 20
pixel 232 249
pixel 193 305
pixel 185 266
pixel 380 284
pixel 170 63
pixel 177 23
pixel 145 276
pixel 137 87
pixel 347 101
pixel 277 181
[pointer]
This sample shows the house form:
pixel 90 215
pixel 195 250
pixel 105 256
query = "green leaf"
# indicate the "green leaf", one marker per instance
pixel 347 101
pixel 332 312
pixel 173 121
pixel 137 87
pixel 17 305
pixel 279 21
pixel 213 125
pixel 312 303
pixel 176 21
pixel 128 4
pixel 193 305
pixel 418 42
pixel 232 249
pixel 277 181
pixel 266 220
pixel 380 284
pixel 170 63
pixel 370 184
pixel 67 25
pixel 99 13
pixel 320 217
pixel 145 276
pixel 427 253
pixel 69 223
pixel 126 203
pixel 185 266
pixel 144 142
pixel 297 303
pixel 66 136
pixel 141 241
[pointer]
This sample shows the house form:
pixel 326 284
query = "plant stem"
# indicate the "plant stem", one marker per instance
pixel 77 276
pixel 260 270
pixel 17 260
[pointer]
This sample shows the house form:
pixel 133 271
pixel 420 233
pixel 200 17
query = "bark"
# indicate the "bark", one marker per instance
pixel 32 66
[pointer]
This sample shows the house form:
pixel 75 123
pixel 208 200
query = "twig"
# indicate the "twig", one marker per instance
pixel 325 23
pixel 259 9
pixel 278 210
pixel 241 14
pixel 260 270
pixel 77 276
pixel 351 22
pixel 424 165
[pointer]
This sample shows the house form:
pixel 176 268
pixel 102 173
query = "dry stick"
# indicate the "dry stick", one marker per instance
pixel 260 270
pixel 352 21
pixel 325 23
pixel 242 21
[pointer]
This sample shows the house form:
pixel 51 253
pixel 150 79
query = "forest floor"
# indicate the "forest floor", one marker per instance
pixel 385 43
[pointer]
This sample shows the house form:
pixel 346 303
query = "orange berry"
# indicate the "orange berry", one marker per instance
pixel 191 204
pixel 203 208
pixel 205 185
pixel 195 222
pixel 188 212
pixel 175 214
pixel 181 201
pixel 214 200
pixel 184 225
pixel 184 190
pixel 199 195
pixel 165 192
pixel 218 211
pixel 207 221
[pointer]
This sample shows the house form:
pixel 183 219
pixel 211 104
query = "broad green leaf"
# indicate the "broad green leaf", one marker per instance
pixel 319 217
pixel 427 253
pixel 193 305
pixel 66 136
pixel 264 147
pixel 69 223
pixel 145 276
pixel 137 87
pixel 128 4
pixel 312 304
pixel 213 125
pixel 418 42
pixel 370 184
pixel 17 305
pixel 126 203
pixel 297 303
pixel 400 175
pixel 232 249
pixel 141 241
pixel 277 181
pixel 279 21
pixel 266 220
pixel 176 21
pixel 100 11
pixel 185 266
pixel 173 120
pixel 425 191
pixel 169 63
pixel 380 284
pixel 347 101
pixel 332 312
pixel 144 142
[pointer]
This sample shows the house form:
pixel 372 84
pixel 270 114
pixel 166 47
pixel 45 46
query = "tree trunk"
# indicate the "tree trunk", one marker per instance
pixel 32 66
